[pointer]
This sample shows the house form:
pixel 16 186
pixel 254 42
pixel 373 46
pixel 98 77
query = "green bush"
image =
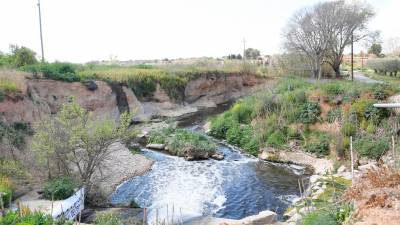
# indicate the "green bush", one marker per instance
pixel 31 218
pixel 59 188
pixel 380 92
pixel 233 135
pixel 371 147
pixel 385 65
pixel 309 113
pixel 317 143
pixel 6 188
pixel 349 129
pixel 55 71
pixel 328 216
pixel 221 124
pixel 334 114
pixel 178 140
pixel 277 139
pixel 108 219
pixel 333 88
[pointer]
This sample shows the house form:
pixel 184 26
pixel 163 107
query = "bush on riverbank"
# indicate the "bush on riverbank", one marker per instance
pixel 59 188
pixel 184 143
pixel 25 217
pixel 297 111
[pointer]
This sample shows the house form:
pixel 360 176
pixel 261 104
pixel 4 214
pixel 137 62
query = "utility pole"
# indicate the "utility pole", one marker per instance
pixel 244 50
pixel 352 58
pixel 40 26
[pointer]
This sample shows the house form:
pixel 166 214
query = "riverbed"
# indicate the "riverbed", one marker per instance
pixel 234 188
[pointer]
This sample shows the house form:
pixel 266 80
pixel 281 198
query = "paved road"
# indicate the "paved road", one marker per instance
pixel 358 76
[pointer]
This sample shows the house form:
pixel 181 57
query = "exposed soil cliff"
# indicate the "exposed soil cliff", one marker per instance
pixel 41 98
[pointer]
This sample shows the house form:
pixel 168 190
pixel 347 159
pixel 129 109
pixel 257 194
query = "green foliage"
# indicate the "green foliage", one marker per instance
pixel 31 218
pixel 14 134
pixel 55 71
pixel 108 219
pixel 380 92
pixel 59 188
pixel 71 132
pixel 334 115
pixel 333 88
pixel 309 113
pixel 349 129
pixel 221 124
pixel 317 143
pixel 385 65
pixel 277 139
pixel 12 168
pixel 375 49
pixel 371 147
pixel 242 111
pixel 328 216
pixel 22 56
pixel 7 189
pixel 178 140
pixel 8 86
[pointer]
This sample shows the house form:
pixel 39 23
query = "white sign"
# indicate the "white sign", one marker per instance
pixel 72 206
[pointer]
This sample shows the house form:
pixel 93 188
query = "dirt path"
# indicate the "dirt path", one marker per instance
pixel 360 77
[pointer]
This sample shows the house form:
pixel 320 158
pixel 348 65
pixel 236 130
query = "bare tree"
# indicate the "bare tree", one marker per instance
pixel 308 34
pixel 321 33
pixel 348 21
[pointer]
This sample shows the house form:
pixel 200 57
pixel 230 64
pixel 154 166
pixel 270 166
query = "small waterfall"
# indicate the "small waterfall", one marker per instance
pixel 235 187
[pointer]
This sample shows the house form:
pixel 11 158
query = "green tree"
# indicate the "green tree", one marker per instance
pixel 252 53
pixel 71 144
pixel 375 49
pixel 22 56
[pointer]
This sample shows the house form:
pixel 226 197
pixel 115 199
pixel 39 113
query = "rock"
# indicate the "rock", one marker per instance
pixel 296 217
pixel 90 85
pixel 134 147
pixel 156 146
pixel 217 156
pixel 290 213
pixel 369 166
pixel 268 154
pixel 341 169
pixel 207 127
pixel 131 204
pixel 314 178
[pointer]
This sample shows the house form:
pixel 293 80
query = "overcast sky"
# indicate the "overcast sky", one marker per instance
pixel 85 30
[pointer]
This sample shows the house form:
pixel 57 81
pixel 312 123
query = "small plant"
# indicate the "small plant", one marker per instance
pixel 59 188
pixel 6 189
pixel 108 219
pixel 334 115
pixel 317 143
pixel 309 113
pixel 371 147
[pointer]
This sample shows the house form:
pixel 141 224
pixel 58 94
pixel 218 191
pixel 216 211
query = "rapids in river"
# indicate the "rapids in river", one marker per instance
pixel 236 187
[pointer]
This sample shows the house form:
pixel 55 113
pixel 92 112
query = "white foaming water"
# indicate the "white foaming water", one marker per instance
pixel 190 189
pixel 238 186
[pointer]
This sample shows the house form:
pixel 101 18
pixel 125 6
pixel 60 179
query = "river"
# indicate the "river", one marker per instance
pixel 236 187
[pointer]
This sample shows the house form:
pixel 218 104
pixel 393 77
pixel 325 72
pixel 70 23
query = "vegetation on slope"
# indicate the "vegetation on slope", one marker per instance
pixel 185 143
pixel 321 117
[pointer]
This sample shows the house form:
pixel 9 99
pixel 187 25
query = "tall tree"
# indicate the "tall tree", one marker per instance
pixel 308 35
pixel 252 53
pixel 73 144
pixel 349 23
pixel 321 33
pixel 375 49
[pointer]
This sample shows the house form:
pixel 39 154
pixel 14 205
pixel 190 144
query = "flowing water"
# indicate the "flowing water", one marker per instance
pixel 235 187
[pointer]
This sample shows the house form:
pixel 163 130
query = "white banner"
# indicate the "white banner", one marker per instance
pixel 72 206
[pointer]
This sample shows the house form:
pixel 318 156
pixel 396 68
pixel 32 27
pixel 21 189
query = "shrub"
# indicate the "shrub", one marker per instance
pixel 31 218
pixel 107 219
pixel 334 114
pixel 221 124
pixel 276 139
pixel 309 113
pixel 349 129
pixel 380 92
pixel 6 189
pixel 332 88
pixel 252 146
pixel 372 147
pixel 59 188
pixel 317 143
pixel 233 135
pixel 375 115
pixel 178 140
pixel 384 65
pixel 55 71
pixel 242 111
